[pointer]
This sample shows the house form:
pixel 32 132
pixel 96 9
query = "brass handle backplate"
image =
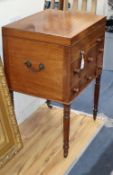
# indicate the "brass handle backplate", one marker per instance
pixel 33 69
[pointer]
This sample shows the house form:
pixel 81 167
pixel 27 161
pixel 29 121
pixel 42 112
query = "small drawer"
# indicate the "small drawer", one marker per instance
pixel 82 75
pixel 89 71
pixel 75 73
pixel 87 42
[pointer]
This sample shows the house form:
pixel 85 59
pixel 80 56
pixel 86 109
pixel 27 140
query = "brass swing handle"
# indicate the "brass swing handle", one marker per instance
pixel 33 69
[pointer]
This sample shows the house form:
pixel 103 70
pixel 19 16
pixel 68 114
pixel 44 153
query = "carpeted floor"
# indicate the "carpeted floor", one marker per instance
pixel 84 102
pixel 98 158
pixel 104 164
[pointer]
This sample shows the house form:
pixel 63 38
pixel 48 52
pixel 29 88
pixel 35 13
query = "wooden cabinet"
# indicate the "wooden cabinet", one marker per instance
pixel 54 55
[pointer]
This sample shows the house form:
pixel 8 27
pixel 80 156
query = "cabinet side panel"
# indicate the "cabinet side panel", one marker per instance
pixel 23 59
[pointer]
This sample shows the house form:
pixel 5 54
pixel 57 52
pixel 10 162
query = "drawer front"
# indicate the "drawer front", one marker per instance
pixel 86 68
pixel 34 68
pixel 89 71
pixel 88 42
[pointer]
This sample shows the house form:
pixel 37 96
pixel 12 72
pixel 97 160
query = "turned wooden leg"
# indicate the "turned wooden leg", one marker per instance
pixel 96 96
pixel 66 129
pixel 48 102
pixel 61 4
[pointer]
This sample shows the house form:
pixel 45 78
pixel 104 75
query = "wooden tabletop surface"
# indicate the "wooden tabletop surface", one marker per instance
pixel 56 23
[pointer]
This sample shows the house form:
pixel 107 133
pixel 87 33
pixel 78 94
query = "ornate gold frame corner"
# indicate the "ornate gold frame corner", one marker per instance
pixel 10 138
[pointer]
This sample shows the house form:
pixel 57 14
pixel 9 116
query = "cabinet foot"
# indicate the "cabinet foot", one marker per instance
pixel 48 102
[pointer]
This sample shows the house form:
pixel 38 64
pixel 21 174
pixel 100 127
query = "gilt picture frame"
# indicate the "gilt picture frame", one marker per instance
pixel 10 138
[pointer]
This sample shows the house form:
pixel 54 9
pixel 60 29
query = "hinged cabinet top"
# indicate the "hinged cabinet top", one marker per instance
pixel 54 26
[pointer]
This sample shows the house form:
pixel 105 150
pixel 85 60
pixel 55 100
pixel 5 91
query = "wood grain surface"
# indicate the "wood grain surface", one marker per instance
pixel 43 137
pixel 54 26
pixel 57 80
pixel 46 83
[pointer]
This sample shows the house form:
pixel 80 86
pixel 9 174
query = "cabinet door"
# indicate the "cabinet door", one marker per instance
pixel 10 140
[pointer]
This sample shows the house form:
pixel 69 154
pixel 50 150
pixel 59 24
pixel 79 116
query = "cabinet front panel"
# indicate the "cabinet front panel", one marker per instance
pixel 86 68
pixel 100 56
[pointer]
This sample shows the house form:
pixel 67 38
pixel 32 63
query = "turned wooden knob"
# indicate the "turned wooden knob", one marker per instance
pixel 76 90
pixel 89 78
pixel 101 50
pixel 99 67
pixel 76 71
pixel 98 40
pixel 90 59
pixel 82 52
